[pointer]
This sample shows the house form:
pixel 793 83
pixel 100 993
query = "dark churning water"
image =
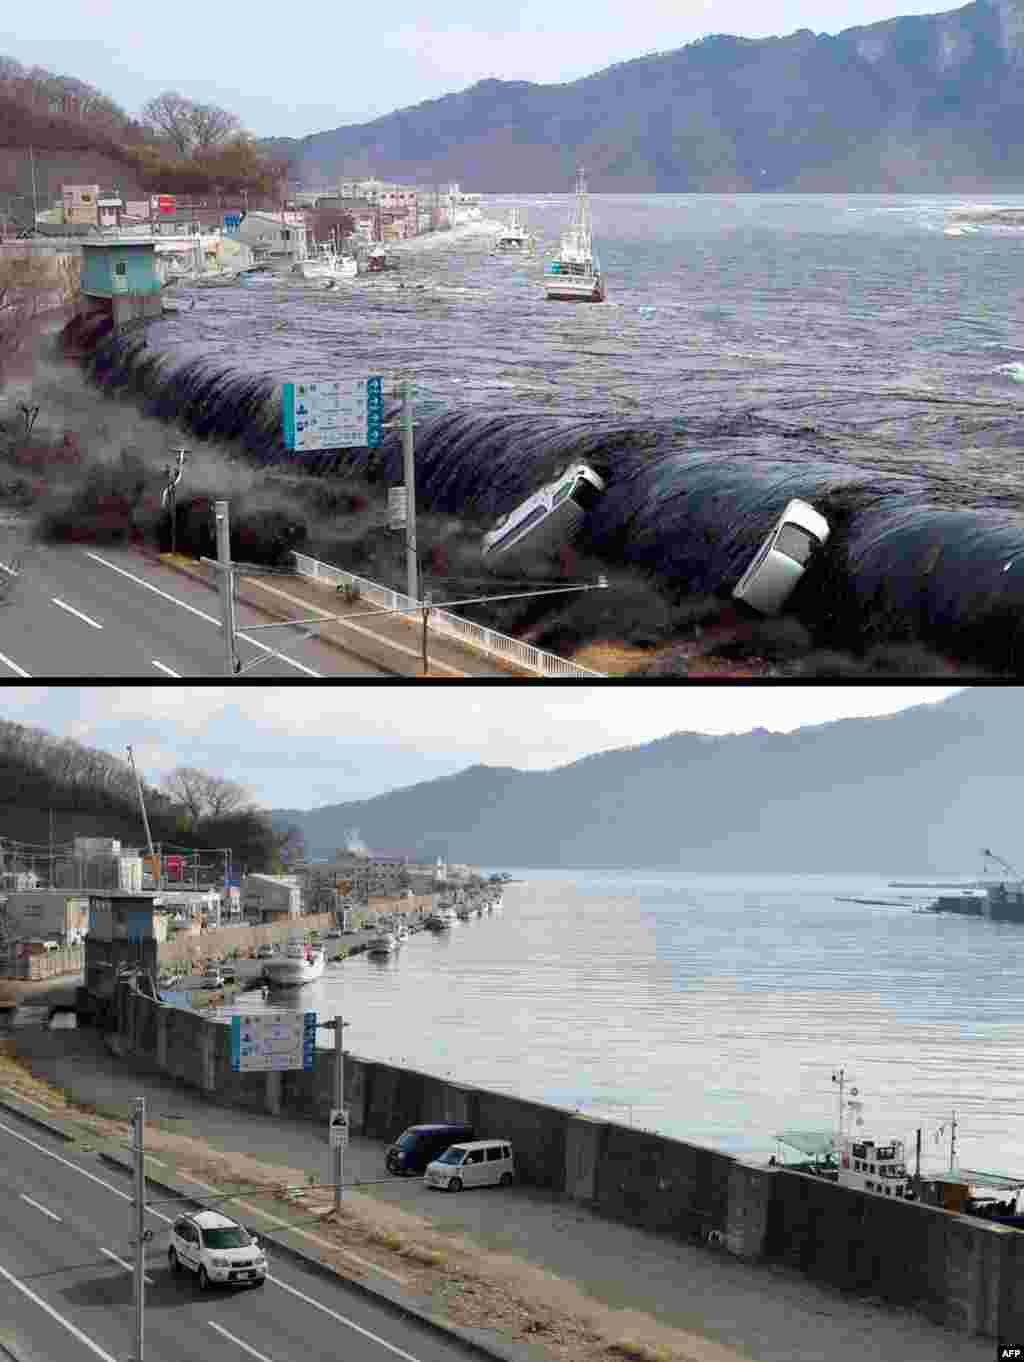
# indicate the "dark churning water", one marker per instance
pixel 866 353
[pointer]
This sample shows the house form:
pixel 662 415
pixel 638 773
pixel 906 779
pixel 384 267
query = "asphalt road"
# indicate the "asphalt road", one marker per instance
pixel 67 1219
pixel 108 612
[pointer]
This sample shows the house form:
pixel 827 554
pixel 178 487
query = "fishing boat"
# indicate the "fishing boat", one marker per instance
pixel 575 276
pixel 301 963
pixel 326 263
pixel 513 236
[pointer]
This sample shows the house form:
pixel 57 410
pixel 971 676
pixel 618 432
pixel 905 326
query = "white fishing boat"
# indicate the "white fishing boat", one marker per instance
pixel 575 275
pixel 301 963
pixel 513 236
pixel 326 262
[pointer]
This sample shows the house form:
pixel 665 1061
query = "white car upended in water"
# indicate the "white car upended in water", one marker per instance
pixel 780 562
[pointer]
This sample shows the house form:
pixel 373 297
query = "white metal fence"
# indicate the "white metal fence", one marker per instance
pixel 442 623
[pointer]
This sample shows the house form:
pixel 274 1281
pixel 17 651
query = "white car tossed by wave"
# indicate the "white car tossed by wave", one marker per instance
pixel 780 562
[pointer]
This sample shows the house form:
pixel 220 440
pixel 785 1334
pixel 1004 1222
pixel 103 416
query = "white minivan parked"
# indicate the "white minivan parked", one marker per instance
pixel 479 1163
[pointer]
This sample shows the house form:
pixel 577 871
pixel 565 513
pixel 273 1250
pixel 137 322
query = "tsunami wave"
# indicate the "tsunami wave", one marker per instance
pixel 689 499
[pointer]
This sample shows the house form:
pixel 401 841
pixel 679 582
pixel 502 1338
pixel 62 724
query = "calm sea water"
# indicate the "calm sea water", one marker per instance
pixel 712 1008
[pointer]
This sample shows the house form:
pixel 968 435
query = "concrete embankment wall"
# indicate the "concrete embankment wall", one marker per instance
pixel 966 1275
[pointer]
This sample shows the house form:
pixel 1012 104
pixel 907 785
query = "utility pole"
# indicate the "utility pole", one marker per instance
pixel 170 495
pixel 952 1144
pixel 35 205
pixel 410 491
pixel 227 593
pixel 426 616
pixel 138 1127
pixel 338 1145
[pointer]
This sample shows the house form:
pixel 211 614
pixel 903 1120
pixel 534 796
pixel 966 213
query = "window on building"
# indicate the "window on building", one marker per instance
pixel 120 268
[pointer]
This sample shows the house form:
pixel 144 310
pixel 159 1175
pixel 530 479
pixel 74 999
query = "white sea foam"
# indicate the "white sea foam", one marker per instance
pixel 1014 371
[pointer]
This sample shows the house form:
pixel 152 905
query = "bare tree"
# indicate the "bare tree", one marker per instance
pixel 211 126
pixel 171 115
pixel 203 796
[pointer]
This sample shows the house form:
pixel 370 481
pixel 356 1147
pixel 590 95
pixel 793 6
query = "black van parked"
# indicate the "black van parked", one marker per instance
pixel 418 1145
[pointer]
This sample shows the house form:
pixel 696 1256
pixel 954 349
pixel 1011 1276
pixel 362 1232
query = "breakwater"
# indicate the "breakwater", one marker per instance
pixel 689 498
pixel 961 1273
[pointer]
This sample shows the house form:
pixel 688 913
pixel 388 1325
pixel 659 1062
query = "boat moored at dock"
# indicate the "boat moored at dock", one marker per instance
pixel 301 963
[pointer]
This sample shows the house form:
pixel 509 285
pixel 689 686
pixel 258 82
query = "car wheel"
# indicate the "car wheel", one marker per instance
pixel 204 1281
pixel 506 1179
pixel 455 1184
pixel 259 1281
pixel 172 1258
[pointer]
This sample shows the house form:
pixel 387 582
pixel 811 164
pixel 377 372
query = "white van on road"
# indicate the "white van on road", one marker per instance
pixel 478 1163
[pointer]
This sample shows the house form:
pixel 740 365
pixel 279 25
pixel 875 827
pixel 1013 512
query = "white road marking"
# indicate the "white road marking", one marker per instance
pixel 71 1328
pixel 13 666
pixel 128 1267
pixel 251 1351
pixel 72 611
pixel 399 1352
pixel 140 581
pixel 160 667
pixel 317 1305
pixel 40 1208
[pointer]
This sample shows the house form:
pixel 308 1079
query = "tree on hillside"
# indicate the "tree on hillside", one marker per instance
pixel 212 126
pixel 169 115
pixel 204 797
pixel 190 127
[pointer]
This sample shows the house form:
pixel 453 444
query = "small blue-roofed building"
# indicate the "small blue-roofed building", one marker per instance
pixel 119 275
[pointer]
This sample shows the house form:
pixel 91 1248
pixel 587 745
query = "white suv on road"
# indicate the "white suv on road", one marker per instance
pixel 217 1249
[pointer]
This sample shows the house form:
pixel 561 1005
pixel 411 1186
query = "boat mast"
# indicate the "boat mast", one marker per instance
pixel 581 210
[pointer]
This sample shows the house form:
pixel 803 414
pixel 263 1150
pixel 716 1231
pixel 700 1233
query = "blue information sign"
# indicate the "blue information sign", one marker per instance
pixel 333 413
pixel 272 1040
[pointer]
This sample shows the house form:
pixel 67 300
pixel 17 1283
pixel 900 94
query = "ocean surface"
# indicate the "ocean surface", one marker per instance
pixel 712 1008
pixel 863 352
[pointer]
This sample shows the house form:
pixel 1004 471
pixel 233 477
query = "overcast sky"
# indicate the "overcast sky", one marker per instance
pixel 322 69
pixel 303 747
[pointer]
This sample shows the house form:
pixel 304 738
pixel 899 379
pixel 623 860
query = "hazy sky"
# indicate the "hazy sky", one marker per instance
pixel 328 68
pixel 305 746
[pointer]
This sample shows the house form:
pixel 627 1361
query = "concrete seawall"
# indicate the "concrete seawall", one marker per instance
pixel 963 1274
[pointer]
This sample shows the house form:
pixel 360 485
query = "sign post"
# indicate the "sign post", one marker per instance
pixel 339 413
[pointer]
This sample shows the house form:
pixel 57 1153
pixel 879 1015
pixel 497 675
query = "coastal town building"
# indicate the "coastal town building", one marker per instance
pixel 362 877
pixel 270 898
pixel 282 236
pixel 45 914
pixel 195 905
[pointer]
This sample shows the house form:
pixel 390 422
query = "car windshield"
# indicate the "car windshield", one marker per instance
pixel 452 1156
pixel 407 1141
pixel 234 1237
pixel 795 542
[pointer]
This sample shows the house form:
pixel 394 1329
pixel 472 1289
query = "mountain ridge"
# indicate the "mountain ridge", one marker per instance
pixel 893 791
pixel 902 105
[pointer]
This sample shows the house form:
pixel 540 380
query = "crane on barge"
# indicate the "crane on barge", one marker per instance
pixel 990 856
